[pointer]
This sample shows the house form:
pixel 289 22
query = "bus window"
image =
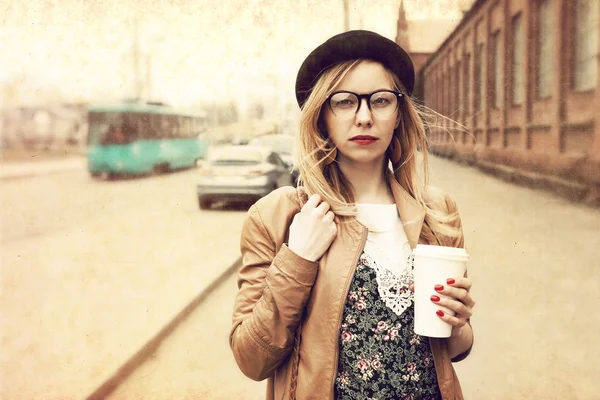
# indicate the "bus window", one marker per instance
pixel 103 127
pixel 130 128
pixel 145 125
pixel 97 128
pixel 174 126
pixel 186 130
pixel 165 127
pixel 156 126
pixel 114 135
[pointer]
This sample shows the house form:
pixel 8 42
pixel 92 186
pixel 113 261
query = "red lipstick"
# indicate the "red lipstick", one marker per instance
pixel 363 140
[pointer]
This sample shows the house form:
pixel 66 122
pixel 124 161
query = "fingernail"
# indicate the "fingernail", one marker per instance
pixel 439 288
pixel 435 298
pixel 440 313
pixel 450 281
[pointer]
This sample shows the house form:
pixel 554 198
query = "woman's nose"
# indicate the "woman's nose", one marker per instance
pixel 364 117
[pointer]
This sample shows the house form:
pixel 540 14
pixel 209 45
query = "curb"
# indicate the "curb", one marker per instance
pixel 137 359
pixel 571 190
pixel 574 191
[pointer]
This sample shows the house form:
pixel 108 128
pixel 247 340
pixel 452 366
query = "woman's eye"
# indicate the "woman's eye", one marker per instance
pixel 344 103
pixel 380 101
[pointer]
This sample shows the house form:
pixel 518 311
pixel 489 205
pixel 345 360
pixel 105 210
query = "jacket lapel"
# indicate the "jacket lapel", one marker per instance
pixel 411 212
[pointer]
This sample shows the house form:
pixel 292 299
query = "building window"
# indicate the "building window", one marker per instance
pixel 447 86
pixel 545 61
pixel 518 53
pixel 457 90
pixel 433 89
pixel 439 88
pixel 442 88
pixel 467 96
pixel 586 45
pixel 479 78
pixel 497 70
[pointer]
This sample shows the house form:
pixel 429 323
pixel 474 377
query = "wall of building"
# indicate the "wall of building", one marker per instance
pixel 419 60
pixel 522 77
pixel 44 127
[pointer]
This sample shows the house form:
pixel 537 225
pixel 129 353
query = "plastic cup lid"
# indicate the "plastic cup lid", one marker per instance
pixel 440 251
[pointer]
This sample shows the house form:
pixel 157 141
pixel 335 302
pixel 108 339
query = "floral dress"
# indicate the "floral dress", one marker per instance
pixel 380 356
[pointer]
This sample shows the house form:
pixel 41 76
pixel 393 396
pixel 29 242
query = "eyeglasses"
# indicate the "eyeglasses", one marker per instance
pixel 382 103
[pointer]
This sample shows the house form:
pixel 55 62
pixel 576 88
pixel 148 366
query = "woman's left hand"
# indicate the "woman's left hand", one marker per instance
pixel 459 301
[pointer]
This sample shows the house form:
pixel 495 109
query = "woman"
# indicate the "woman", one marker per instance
pixel 324 308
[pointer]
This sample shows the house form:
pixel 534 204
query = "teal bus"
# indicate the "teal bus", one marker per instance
pixel 140 138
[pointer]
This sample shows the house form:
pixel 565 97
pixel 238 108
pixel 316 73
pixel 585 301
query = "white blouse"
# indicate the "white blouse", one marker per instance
pixel 388 248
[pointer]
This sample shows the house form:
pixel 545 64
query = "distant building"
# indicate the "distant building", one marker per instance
pixel 421 38
pixel 44 127
pixel 522 76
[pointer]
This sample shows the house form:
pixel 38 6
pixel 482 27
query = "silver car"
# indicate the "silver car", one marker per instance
pixel 283 145
pixel 240 173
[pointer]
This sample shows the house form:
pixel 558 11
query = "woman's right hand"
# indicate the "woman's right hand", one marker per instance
pixel 312 229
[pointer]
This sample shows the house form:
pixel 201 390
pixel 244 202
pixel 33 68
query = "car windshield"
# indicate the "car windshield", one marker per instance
pixel 236 156
pixel 281 144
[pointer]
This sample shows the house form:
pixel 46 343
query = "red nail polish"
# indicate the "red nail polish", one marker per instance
pixel 439 288
pixel 450 281
pixel 435 298
pixel 440 313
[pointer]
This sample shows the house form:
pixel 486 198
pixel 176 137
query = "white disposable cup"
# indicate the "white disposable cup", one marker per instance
pixel 433 265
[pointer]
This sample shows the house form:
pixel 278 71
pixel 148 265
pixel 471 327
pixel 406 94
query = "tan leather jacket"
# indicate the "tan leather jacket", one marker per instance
pixel 278 290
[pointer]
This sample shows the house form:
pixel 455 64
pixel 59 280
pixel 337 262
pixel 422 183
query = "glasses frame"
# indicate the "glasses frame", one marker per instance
pixel 366 96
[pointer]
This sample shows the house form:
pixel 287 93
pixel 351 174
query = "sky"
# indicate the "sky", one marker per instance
pixel 190 51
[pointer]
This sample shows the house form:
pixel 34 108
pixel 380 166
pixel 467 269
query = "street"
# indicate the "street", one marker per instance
pixel 195 362
pixel 93 269
pixel 535 275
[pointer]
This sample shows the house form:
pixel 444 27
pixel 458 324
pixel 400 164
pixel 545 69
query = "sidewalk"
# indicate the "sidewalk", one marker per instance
pixel 24 169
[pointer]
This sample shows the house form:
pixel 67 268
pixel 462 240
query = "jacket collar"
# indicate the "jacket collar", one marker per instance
pixel 411 212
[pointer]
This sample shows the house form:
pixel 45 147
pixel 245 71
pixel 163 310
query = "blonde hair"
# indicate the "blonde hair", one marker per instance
pixel 313 146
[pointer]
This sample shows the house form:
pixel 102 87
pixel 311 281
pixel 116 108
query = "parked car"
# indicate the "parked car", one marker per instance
pixel 282 144
pixel 240 173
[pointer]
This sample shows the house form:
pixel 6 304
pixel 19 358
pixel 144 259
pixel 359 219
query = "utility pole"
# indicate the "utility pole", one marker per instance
pixel 148 85
pixel 136 59
pixel 346 16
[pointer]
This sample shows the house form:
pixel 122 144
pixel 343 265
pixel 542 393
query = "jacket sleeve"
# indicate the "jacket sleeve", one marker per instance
pixel 273 291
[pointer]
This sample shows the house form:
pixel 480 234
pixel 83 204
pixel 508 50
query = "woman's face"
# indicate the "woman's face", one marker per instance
pixel 362 138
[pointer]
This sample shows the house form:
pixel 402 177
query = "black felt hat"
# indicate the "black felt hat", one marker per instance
pixel 350 46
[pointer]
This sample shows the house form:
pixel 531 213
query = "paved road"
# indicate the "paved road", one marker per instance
pixel 536 277
pixel 195 362
pixel 91 270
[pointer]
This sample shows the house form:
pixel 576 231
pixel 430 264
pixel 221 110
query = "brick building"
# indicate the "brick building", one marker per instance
pixel 522 77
